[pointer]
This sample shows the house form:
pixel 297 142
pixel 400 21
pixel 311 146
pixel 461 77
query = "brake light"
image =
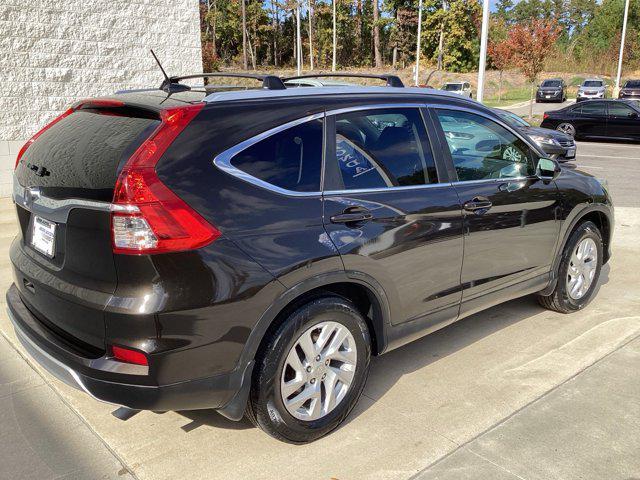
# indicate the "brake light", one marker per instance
pixel 33 139
pixel 129 356
pixel 147 217
pixel 545 116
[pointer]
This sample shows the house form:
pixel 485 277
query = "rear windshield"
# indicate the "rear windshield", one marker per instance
pixel 592 83
pixel 632 84
pixel 80 154
pixel 452 87
pixel 551 83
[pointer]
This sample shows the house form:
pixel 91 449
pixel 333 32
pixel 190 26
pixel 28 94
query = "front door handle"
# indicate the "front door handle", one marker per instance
pixel 478 205
pixel 352 215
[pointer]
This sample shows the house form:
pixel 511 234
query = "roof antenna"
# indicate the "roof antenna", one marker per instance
pixel 168 85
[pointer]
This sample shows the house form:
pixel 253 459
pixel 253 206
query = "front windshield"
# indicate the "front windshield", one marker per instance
pixel 592 83
pixel 513 119
pixel 632 84
pixel 452 87
pixel 551 83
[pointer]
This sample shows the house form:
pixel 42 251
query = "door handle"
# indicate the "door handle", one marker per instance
pixel 352 215
pixel 478 205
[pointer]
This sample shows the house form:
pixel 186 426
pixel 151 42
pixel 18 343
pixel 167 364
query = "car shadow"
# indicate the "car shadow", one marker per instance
pixel 388 369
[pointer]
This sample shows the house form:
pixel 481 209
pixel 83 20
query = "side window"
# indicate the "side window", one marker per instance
pixel 482 149
pixel 620 111
pixel 593 109
pixel 291 159
pixel 383 148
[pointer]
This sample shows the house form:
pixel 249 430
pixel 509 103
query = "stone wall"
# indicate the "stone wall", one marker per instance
pixel 54 52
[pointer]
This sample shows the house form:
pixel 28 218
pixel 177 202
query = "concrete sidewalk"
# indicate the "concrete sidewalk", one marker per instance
pixel 40 436
pixel 586 428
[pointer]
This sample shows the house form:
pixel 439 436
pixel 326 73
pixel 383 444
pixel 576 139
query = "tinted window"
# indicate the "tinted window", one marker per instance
pixel 551 83
pixel 83 151
pixel 513 119
pixel 482 149
pixel 452 87
pixel 597 109
pixel 290 159
pixel 383 148
pixel 593 83
pixel 632 84
pixel 620 110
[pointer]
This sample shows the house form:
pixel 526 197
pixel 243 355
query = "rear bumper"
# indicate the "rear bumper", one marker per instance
pixel 136 389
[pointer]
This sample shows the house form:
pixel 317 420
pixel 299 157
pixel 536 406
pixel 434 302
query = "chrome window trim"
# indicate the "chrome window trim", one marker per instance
pixel 56 210
pixel 223 160
pixel 387 189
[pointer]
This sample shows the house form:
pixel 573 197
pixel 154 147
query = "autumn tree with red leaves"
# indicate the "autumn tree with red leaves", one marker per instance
pixel 530 44
pixel 501 56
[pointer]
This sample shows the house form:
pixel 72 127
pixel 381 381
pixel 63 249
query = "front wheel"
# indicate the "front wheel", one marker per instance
pixel 578 272
pixel 311 372
pixel 567 129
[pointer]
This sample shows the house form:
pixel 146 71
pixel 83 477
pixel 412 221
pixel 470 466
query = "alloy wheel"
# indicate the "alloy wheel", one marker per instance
pixel 582 268
pixel 567 129
pixel 318 371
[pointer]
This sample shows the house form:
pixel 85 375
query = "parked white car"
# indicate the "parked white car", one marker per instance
pixel 461 88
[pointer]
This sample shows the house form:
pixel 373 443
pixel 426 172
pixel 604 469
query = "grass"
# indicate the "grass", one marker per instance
pixel 510 95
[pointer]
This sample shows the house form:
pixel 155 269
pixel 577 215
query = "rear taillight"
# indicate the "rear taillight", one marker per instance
pixel 147 217
pixel 545 116
pixel 33 139
pixel 129 356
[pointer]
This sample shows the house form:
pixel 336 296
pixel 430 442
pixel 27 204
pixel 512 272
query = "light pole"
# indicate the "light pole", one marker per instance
pixel 418 44
pixel 624 34
pixel 298 38
pixel 483 49
pixel 333 62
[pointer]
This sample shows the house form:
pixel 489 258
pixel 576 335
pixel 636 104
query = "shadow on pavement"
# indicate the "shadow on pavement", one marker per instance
pixel 387 369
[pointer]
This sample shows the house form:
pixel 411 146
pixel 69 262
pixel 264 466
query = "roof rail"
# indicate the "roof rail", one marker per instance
pixel 269 82
pixel 392 80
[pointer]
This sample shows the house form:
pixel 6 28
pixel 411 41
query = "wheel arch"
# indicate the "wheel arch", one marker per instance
pixel 600 216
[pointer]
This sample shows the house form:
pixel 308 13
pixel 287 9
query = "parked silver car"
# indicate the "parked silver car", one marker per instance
pixel 592 88
pixel 461 88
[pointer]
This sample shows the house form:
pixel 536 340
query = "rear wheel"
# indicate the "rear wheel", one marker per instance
pixel 567 129
pixel 311 372
pixel 578 272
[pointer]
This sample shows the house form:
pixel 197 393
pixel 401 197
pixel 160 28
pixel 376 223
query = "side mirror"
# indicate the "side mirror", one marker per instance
pixel 547 169
pixel 633 115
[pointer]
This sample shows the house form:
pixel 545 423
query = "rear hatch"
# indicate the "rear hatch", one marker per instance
pixel 64 183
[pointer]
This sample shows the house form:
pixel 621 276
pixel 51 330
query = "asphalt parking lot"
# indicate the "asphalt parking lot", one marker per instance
pixel 515 392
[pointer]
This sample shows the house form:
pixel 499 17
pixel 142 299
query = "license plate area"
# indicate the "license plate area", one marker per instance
pixel 571 153
pixel 43 236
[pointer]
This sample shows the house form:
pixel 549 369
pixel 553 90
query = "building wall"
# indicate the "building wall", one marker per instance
pixel 54 52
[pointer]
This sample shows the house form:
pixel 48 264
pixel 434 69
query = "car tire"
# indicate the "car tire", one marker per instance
pixel 564 298
pixel 567 128
pixel 274 372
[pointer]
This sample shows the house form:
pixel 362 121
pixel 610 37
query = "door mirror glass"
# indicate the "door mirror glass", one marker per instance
pixel 547 169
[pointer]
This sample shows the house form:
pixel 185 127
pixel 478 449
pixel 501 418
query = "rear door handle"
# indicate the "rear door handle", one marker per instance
pixel 352 215
pixel 478 205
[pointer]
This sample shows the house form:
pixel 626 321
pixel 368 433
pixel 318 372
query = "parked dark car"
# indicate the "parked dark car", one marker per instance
pixel 552 90
pixel 249 251
pixel 630 90
pixel 613 119
pixel 554 144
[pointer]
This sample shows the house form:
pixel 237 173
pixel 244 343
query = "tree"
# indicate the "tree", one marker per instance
pixel 244 35
pixel 530 43
pixel 500 54
pixel 335 44
pixel 376 35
